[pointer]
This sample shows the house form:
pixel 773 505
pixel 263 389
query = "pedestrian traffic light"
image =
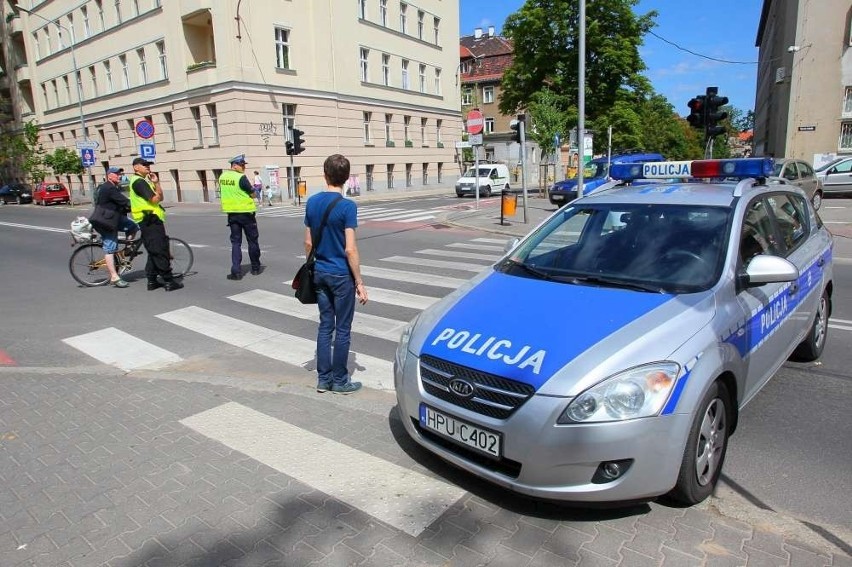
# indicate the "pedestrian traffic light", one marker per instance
pixel 712 113
pixel 298 141
pixel 517 127
pixel 696 115
pixel 288 145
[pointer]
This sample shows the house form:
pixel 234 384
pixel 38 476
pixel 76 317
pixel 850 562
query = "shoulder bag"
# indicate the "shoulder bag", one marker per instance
pixel 104 219
pixel 303 283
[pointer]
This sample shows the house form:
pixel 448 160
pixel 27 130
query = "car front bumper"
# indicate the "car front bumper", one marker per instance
pixel 561 197
pixel 545 460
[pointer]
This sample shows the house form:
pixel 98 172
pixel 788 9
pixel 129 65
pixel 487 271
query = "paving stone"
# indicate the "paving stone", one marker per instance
pixel 626 524
pixel 326 514
pixel 341 556
pixel 469 515
pixel 110 550
pixel 155 527
pixel 219 555
pixel 423 557
pixel 329 537
pixel 608 542
pixel 35 547
pixel 661 518
pixel 506 557
pixel 725 540
pixel 675 558
pixel 383 557
pixel 445 539
pixel 647 541
pixel 688 540
pixel 368 539
pixel 696 519
pixel 725 561
pixel 630 558
pixel 566 543
pixel 527 539
pixel 182 553
pixel 286 540
pixel 547 559
pixel 487 539
pixel 768 542
pixel 801 557
pixel 838 560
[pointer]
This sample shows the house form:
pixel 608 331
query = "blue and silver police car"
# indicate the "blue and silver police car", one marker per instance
pixel 637 322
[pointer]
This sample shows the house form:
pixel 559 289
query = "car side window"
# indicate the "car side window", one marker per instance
pixel 843 167
pixel 790 173
pixel 757 236
pixel 805 171
pixel 790 213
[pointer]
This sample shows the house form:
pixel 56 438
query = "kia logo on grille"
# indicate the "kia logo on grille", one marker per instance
pixel 461 387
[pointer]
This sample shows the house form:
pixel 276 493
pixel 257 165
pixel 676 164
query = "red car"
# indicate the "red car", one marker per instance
pixel 51 192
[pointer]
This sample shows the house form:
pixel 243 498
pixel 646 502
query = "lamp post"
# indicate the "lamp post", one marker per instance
pixel 77 78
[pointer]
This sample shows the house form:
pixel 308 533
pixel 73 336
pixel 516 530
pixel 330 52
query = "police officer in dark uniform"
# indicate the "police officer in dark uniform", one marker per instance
pixel 238 202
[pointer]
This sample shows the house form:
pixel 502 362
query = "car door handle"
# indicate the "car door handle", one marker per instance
pixel 794 289
pixel 821 262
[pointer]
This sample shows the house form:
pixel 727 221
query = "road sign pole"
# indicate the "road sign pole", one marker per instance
pixel 475 125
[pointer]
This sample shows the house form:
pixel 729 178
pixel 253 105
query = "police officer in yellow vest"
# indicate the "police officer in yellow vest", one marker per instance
pixel 238 202
pixel 146 194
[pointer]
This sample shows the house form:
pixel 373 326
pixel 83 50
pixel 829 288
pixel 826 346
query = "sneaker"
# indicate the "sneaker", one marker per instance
pixel 347 388
pixel 173 285
pixel 323 387
pixel 118 283
pixel 233 276
pixel 256 271
pixel 154 285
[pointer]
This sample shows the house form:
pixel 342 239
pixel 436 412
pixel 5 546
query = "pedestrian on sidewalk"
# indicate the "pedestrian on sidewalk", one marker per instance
pixel 238 203
pixel 337 275
pixel 257 185
pixel 109 196
pixel 146 196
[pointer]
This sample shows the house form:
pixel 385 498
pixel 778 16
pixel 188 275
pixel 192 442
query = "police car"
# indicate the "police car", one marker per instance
pixel 634 325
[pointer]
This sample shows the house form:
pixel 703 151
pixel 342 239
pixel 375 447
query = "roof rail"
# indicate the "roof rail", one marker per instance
pixel 744 184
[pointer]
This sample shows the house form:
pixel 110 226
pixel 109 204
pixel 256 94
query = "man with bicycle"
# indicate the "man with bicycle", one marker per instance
pixel 109 196
pixel 146 194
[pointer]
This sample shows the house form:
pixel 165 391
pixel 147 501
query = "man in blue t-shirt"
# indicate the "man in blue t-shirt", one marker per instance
pixel 337 275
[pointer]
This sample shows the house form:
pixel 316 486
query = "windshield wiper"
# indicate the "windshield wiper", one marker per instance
pixel 529 269
pixel 610 282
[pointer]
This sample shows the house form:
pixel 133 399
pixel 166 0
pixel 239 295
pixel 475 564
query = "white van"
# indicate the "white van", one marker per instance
pixel 493 178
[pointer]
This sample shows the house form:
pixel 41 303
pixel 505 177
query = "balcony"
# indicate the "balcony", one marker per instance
pixel 23 73
pixel 14 24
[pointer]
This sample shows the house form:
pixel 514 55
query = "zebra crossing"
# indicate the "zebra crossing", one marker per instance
pixel 366 213
pixel 407 283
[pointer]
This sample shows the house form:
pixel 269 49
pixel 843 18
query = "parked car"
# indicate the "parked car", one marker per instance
pixel 595 174
pixel 836 175
pixel 16 193
pixel 643 319
pixel 801 174
pixel 51 192
pixel 493 178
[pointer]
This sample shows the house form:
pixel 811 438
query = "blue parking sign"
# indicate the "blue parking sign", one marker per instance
pixel 147 150
pixel 87 156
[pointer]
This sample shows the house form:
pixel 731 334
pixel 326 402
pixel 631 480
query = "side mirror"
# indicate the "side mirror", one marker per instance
pixel 764 269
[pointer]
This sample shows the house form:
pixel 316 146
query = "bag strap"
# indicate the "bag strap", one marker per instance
pixel 316 241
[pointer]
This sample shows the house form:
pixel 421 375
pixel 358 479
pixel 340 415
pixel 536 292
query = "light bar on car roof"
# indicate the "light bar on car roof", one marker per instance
pixel 745 167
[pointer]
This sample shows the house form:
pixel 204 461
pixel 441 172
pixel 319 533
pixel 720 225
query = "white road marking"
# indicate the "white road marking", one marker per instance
pixel 411 277
pixel 417 219
pixel 297 351
pixel 500 241
pixel 405 499
pixel 476 246
pixel 435 264
pixel 117 348
pixel 33 227
pixel 454 254
pixel 393 297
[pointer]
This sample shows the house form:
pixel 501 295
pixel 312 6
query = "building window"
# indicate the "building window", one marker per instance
pixel 135 5
pixel 425 174
pixel 420 23
pixel 383 12
pixel 487 95
pixel 36 46
pixel 131 127
pixel 79 77
pixel 405 83
pixel 408 168
pixel 437 23
pixel 406 120
pixel 143 67
pixel 440 172
pixel 438 82
pixel 438 137
pixel 55 92
pixel 71 27
pixel 489 125
pixel 282 48
pixel 389 127
pixel 370 169
pixel 67 84
pixel 100 6
pixel 368 138
pixel 845 137
pixel 214 123
pixel 102 138
pixel 289 112
pixel 403 18
pixel 125 72
pixel 386 69
pixel 196 116
pixel 108 73
pixel 467 97
pixel 86 30
pixel 362 9
pixel 161 53
pixel 390 175
pixel 117 134
pixel 365 69
pixel 847 102
pixel 44 94
pixel 423 138
pixel 170 126
pixel 118 11
pixel 94 78
pixel 422 78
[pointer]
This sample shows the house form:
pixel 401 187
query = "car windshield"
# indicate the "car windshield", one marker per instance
pixel 651 248
pixel 776 169
pixel 483 172
pixel 593 170
pixel 52 188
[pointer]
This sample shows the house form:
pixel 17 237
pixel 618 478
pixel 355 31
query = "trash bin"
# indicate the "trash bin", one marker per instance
pixel 509 204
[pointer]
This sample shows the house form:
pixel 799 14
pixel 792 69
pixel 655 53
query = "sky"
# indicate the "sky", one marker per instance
pixel 728 33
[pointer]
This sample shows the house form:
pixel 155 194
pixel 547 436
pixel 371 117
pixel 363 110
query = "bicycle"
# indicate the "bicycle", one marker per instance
pixel 88 265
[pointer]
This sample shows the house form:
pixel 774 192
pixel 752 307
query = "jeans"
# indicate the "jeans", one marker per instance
pixel 239 223
pixel 110 239
pixel 336 302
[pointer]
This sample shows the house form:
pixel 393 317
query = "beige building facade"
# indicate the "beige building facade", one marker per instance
pixel 371 79
pixel 803 106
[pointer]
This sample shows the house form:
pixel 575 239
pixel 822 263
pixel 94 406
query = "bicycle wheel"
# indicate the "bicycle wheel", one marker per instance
pixel 88 266
pixel 181 256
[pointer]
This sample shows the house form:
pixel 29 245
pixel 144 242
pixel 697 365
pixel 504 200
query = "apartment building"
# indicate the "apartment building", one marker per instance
pixel 372 79
pixel 803 105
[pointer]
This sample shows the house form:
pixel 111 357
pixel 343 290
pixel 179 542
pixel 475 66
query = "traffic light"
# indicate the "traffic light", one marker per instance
pixel 298 141
pixel 517 127
pixel 288 145
pixel 696 116
pixel 712 113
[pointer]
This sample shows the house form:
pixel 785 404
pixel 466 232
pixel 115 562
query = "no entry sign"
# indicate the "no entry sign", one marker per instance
pixel 475 122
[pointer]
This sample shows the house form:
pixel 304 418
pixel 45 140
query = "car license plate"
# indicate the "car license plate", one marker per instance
pixel 482 440
pixel 557 197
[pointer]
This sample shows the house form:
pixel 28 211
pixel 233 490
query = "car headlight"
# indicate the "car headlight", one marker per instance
pixel 402 347
pixel 638 392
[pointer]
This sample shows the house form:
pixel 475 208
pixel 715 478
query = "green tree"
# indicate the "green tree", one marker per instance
pixel 64 162
pixel 545 36
pixel 548 120
pixel 22 152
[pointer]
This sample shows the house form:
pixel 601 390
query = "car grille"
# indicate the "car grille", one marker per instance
pixel 493 396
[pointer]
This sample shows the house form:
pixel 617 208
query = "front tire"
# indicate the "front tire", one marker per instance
pixel 811 348
pixel 88 266
pixel 181 256
pixel 706 448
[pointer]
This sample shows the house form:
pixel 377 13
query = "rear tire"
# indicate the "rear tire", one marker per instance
pixel 706 448
pixel 817 200
pixel 181 256
pixel 811 348
pixel 88 266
